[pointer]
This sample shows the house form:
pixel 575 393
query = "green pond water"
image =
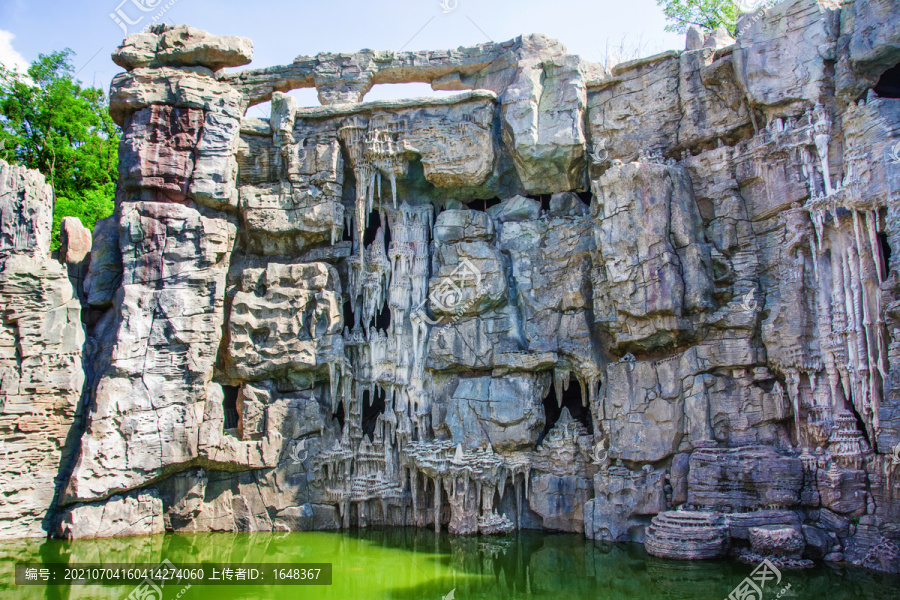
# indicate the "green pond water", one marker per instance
pixel 415 564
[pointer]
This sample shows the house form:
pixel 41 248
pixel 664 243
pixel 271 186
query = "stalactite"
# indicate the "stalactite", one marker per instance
pixel 822 127
pixel 560 383
pixel 437 505
pixel 793 380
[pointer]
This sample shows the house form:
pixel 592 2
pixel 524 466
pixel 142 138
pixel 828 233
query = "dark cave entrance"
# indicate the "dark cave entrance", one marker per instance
pixel 382 321
pixel 861 423
pixel 572 400
pixel 888 85
pixel 483 205
pixel 372 230
pixel 339 415
pixel 230 406
pixel 544 199
pixel 371 410
pixel 885 255
pixel 586 197
pixel 349 315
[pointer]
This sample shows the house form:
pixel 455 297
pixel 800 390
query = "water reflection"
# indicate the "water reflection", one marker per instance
pixel 405 564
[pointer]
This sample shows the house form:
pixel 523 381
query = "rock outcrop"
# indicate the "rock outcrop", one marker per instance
pixel 656 304
pixel 41 372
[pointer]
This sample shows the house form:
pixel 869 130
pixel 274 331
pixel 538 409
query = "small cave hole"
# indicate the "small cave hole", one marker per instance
pixel 349 315
pixel 372 230
pixel 259 336
pixel 382 321
pixel 860 422
pixel 586 197
pixel 483 205
pixel 347 236
pixel 888 85
pixel 571 400
pixel 230 406
pixel 885 254
pixel 339 415
pixel 544 199
pixel 766 385
pixel 371 410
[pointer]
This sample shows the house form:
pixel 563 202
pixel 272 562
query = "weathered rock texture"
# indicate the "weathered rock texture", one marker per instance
pixel 41 339
pixel 656 304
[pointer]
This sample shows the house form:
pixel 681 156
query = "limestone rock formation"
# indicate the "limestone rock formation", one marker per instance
pixel 41 372
pixel 657 303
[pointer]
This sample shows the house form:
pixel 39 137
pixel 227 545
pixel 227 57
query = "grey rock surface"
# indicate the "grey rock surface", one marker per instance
pixel 655 303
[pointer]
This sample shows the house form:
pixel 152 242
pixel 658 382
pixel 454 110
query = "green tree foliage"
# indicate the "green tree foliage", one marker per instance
pixel 706 14
pixel 50 123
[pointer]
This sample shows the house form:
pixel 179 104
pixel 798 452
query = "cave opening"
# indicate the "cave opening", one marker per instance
pixel 347 235
pixel 229 404
pixel 885 254
pixel 349 314
pixel 382 321
pixel 371 410
pixel 572 400
pixel 586 197
pixel 860 422
pixel 372 230
pixel 888 85
pixel 484 204
pixel 544 199
pixel 339 415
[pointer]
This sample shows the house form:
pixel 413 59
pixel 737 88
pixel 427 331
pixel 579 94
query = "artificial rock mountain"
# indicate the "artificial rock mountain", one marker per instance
pixel 653 304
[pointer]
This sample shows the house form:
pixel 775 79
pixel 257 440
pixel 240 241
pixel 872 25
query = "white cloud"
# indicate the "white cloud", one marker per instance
pixel 9 58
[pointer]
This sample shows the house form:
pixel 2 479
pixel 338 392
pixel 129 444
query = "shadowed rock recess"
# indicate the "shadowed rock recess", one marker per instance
pixel 657 304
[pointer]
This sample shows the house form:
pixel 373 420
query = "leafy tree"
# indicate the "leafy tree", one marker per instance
pixel 50 123
pixel 706 14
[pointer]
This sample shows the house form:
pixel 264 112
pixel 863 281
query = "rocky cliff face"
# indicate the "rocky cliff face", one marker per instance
pixel 656 304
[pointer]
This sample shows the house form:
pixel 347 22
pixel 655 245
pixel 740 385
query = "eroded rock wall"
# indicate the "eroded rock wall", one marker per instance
pixel 652 304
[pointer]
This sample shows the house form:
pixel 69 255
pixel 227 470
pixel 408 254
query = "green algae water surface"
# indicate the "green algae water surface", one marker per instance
pixel 414 564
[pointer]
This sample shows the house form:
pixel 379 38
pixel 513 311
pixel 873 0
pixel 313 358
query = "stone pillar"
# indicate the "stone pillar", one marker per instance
pixel 176 233
pixel 41 339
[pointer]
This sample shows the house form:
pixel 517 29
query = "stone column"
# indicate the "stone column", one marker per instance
pixel 176 219
pixel 41 339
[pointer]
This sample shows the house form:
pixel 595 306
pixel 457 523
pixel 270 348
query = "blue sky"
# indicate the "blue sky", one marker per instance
pixel 283 29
